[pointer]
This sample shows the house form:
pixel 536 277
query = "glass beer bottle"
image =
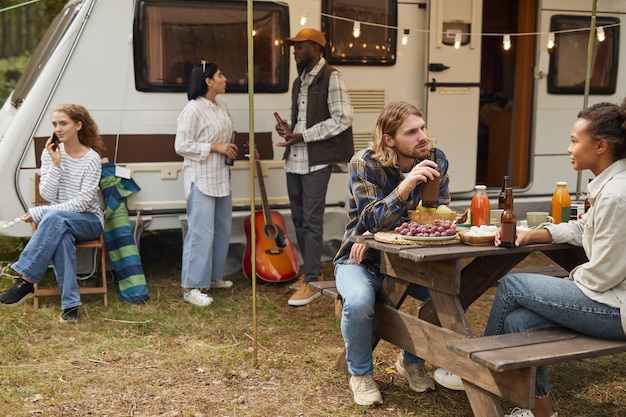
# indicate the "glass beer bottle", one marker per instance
pixel 430 189
pixel 506 183
pixel 480 206
pixel 508 222
pixel 561 203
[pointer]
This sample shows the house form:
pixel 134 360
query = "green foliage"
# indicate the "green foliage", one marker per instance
pixel 22 29
pixel 10 71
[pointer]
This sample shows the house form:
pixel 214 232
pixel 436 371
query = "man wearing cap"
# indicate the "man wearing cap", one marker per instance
pixel 318 137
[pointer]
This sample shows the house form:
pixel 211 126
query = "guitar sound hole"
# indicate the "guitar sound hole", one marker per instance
pixel 270 231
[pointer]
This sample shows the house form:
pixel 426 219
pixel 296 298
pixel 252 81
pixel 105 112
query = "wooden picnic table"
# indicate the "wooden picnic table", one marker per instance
pixel 456 276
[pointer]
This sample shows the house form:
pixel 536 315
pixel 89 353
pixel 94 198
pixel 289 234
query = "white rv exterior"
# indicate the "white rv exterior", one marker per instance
pixel 94 63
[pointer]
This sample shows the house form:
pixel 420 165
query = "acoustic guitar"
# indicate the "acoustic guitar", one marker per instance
pixel 276 258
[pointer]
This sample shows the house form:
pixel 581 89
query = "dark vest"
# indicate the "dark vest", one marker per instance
pixel 337 149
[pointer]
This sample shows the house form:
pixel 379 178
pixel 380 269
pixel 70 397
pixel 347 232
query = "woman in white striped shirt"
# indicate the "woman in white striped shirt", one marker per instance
pixel 203 135
pixel 70 181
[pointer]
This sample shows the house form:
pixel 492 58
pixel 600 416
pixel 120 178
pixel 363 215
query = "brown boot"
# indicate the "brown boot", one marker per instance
pixel 298 283
pixel 304 296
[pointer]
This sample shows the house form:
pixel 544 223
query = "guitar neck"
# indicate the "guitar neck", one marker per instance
pixel 264 203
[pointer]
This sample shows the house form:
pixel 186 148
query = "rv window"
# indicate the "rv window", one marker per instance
pixel 171 37
pixel 375 45
pixel 568 58
pixel 44 51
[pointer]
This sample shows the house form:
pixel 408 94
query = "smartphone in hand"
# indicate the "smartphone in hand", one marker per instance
pixel 55 141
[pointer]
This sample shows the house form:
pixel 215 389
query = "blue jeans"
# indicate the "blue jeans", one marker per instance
pixel 307 199
pixel 358 287
pixel 530 302
pixel 53 241
pixel 209 222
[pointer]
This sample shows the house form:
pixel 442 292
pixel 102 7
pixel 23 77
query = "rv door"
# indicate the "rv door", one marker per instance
pixel 453 85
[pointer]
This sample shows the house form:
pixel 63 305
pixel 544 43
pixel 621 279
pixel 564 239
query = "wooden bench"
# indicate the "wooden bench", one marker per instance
pixel 533 348
pixel 328 288
pixel 551 270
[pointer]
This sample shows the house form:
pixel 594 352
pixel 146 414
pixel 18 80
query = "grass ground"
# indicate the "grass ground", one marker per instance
pixel 168 358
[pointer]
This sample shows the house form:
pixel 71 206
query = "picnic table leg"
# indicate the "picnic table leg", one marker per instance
pixel 483 402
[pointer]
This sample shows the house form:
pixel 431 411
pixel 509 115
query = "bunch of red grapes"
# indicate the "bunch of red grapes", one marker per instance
pixel 440 228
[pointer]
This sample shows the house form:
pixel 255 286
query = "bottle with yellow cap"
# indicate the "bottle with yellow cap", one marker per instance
pixel 561 203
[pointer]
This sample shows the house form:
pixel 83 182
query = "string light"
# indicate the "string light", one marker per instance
pixel 405 37
pixel 304 18
pixel 356 29
pixel 457 40
pixel 506 42
pixel 550 40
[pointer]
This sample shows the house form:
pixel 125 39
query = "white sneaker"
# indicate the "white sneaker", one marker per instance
pixel 197 298
pixel 221 284
pixel 419 381
pixel 523 412
pixel 520 412
pixel 365 390
pixel 448 379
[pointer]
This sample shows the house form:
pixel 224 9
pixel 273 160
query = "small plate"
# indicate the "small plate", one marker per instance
pixel 484 240
pixel 430 239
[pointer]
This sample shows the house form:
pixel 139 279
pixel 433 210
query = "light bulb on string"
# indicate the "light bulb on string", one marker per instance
pixel 304 18
pixel 506 42
pixel 600 34
pixel 405 37
pixel 356 29
pixel 457 40
pixel 550 40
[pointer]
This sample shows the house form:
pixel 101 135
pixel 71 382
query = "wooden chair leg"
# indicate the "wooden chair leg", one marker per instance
pixel 103 269
pixel 36 297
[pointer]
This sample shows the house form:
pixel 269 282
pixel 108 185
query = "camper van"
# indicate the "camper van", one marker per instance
pixel 497 100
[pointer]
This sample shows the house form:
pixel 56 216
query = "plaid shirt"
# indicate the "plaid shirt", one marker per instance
pixel 341 115
pixel 374 201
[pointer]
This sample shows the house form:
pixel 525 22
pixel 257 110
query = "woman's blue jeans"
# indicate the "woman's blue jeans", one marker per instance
pixel 205 250
pixel 54 241
pixel 358 287
pixel 530 302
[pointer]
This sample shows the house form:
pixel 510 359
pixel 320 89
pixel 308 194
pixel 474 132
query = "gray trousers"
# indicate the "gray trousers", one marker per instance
pixel 307 196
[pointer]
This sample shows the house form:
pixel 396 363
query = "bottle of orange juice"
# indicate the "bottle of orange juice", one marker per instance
pixel 480 206
pixel 561 203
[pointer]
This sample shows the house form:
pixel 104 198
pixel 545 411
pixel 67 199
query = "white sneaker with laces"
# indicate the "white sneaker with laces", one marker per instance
pixel 365 390
pixel 197 298
pixel 523 412
pixel 221 284
pixel 448 379
pixel 419 381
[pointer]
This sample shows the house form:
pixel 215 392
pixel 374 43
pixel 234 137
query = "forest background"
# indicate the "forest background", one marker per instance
pixel 22 25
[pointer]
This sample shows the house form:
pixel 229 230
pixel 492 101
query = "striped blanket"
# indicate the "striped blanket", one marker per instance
pixel 119 238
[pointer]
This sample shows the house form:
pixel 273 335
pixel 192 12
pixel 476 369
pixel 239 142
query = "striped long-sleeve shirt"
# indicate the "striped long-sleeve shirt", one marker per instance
pixel 200 124
pixel 73 186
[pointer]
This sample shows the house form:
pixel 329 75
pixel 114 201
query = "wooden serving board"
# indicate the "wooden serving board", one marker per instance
pixel 397 239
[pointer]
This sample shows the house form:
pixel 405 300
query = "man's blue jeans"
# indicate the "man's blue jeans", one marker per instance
pixel 358 287
pixel 54 241
pixel 530 302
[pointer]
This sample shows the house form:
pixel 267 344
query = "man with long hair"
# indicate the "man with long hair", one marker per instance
pixel 386 181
